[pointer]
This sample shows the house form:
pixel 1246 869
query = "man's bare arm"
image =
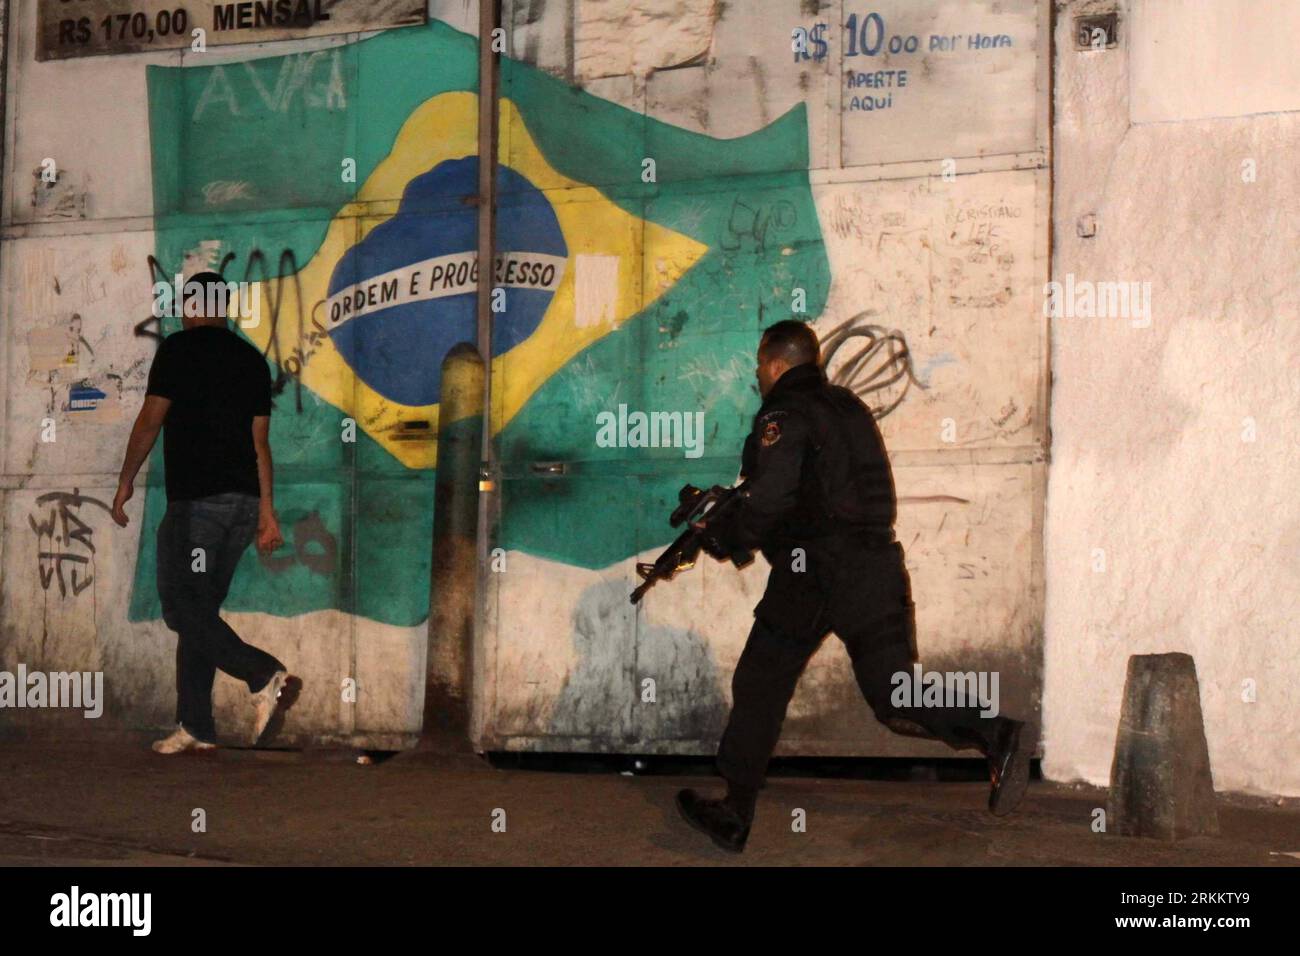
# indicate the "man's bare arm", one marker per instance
pixel 268 524
pixel 143 435
pixel 265 468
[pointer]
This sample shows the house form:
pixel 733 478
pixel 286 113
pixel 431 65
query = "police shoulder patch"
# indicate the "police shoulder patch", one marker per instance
pixel 768 427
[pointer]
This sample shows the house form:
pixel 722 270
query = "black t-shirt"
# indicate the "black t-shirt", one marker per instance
pixel 217 383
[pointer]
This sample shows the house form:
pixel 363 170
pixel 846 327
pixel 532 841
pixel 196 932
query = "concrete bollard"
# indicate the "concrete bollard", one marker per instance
pixel 1160 781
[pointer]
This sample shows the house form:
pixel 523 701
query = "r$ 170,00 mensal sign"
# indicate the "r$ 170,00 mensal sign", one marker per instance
pixel 69 28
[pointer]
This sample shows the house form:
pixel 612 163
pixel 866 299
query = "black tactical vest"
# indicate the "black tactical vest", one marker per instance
pixel 846 487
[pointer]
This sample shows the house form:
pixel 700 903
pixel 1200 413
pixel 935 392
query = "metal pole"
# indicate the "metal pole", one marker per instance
pixel 488 20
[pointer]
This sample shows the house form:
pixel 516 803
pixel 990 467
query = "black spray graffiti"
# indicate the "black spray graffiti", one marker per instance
pixel 256 270
pixel 747 225
pixel 882 362
pixel 73 543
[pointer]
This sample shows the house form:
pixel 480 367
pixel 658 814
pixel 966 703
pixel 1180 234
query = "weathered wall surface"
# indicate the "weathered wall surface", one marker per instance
pixel 894 196
pixel 1172 521
pixel 346 597
pixel 935 276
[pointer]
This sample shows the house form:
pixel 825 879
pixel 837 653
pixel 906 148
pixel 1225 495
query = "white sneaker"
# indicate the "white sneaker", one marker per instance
pixel 265 701
pixel 181 741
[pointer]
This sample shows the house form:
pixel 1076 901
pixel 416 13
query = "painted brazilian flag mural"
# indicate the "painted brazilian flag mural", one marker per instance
pixel 637 262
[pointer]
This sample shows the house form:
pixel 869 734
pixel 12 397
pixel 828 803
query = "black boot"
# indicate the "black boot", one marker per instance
pixel 726 822
pixel 1009 767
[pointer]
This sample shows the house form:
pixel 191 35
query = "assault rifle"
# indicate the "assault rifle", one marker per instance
pixel 698 510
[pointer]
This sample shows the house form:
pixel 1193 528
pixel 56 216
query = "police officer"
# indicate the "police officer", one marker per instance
pixel 820 505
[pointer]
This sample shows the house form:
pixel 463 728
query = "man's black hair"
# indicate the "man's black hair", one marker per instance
pixel 791 340
pixel 214 290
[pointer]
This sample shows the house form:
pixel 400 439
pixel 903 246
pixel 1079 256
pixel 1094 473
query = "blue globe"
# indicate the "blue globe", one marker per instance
pixel 398 350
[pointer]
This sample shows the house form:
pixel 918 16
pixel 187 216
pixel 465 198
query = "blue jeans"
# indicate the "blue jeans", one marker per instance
pixel 200 543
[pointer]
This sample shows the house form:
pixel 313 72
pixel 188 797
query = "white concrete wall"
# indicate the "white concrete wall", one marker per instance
pixel 1172 517
pixel 950 265
pixel 79 248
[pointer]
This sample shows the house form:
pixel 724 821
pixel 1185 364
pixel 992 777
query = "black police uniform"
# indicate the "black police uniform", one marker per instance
pixel 819 480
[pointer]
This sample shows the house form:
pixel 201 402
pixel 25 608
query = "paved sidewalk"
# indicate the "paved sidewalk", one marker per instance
pixel 119 804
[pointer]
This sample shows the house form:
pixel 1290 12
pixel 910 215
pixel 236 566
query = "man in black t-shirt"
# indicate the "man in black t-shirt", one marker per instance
pixel 209 392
